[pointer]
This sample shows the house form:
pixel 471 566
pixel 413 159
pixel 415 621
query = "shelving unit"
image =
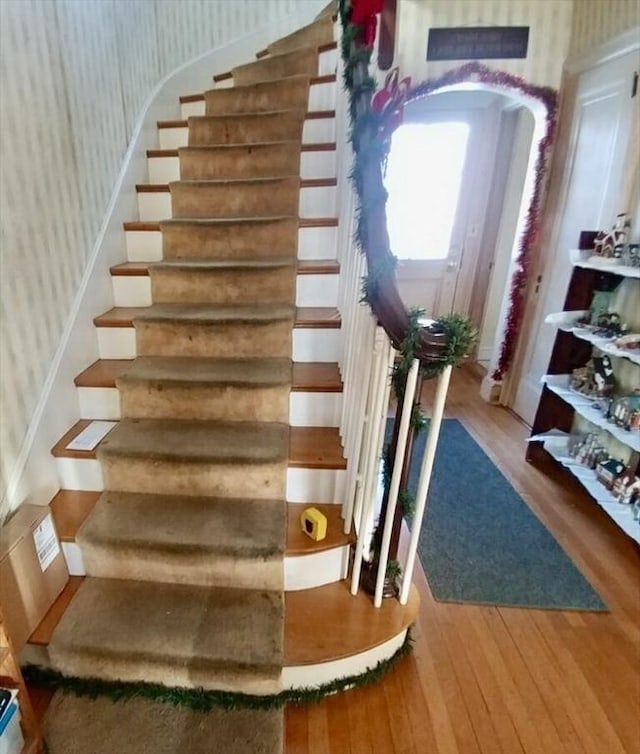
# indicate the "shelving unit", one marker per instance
pixel 560 408
pixel 11 677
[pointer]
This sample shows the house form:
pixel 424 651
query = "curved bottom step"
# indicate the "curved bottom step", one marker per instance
pixel 331 637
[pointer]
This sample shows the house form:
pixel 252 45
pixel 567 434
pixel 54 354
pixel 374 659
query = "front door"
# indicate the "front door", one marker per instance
pixel 425 176
pixel 595 167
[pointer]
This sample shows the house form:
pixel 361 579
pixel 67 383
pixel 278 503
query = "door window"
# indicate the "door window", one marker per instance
pixel 423 178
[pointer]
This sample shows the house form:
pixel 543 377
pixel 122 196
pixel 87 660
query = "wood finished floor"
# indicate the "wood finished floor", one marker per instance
pixel 505 680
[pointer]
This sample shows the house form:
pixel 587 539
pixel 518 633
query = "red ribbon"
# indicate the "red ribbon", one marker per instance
pixel 390 100
pixel 364 14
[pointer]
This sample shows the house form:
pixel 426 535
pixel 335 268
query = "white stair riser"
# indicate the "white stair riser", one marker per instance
pixel 317 569
pixel 300 571
pixel 315 409
pixel 317 290
pixel 319 164
pixel 327 62
pixel 318 202
pixel 310 676
pixel 131 290
pixel 317 345
pixel 99 403
pixel 314 202
pixel 316 485
pixel 306 409
pixel 303 485
pixel 116 342
pixel 80 474
pixel 315 130
pixel 321 97
pixel 311 290
pixel 75 562
pixel 313 243
pixel 317 243
pixel 308 344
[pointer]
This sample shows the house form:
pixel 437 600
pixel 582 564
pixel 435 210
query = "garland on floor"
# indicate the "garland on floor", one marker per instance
pixel 202 700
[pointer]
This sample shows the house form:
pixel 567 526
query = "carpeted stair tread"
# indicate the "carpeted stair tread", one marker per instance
pixel 221 198
pixel 315 34
pixel 299 61
pixel 210 314
pixel 226 264
pixel 240 161
pixel 198 441
pixel 143 726
pixel 289 93
pixel 198 371
pixel 247 128
pixel 186 527
pixel 221 221
pixel 179 634
pixel 270 181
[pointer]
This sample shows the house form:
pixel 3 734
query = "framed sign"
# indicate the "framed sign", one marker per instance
pixel 477 42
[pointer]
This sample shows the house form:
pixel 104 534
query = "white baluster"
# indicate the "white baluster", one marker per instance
pixel 394 487
pixel 384 356
pixel 424 480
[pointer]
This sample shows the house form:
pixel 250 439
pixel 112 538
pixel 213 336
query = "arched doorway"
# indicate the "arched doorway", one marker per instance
pixel 483 271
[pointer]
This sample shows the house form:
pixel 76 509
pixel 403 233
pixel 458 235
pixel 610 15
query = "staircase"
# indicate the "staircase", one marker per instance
pixel 219 369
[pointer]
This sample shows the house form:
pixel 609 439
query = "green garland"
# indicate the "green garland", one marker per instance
pixel 202 700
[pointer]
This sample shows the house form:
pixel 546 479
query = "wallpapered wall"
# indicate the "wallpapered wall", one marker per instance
pixel 74 75
pixel 549 22
pixel 595 22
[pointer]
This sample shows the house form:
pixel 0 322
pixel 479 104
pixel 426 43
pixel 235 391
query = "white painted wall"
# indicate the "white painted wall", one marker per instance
pixel 549 22
pixel 596 22
pixel 75 77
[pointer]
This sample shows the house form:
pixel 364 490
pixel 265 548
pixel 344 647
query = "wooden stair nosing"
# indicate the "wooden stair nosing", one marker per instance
pixel 102 373
pixel 44 631
pixel 326 47
pixel 298 543
pixel 326 78
pixel 60 450
pixel 70 509
pixel 315 448
pixel 311 640
pixel 304 267
pixel 310 115
pixel 304 222
pixel 307 377
pixel 163 188
pixel 320 146
pixel 315 317
pixel 309 447
pixel 130 269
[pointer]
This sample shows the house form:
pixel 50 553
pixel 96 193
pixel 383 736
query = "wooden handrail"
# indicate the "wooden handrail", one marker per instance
pixel 384 298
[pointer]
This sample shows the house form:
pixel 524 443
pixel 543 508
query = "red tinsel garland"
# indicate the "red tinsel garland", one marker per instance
pixel 477 72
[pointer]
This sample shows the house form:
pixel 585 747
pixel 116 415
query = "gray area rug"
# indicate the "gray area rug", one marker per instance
pixel 481 543
pixel 77 725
